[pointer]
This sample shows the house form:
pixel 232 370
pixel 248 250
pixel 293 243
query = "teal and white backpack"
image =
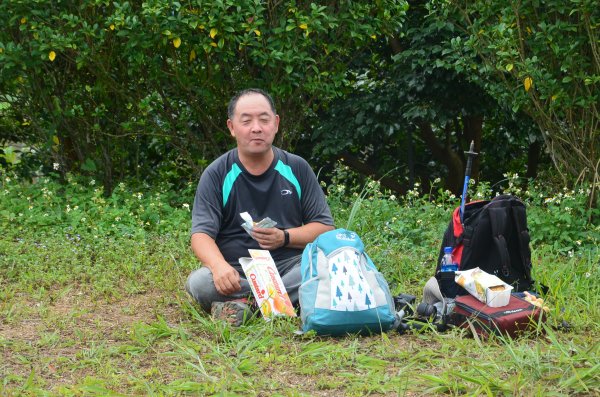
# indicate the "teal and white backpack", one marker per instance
pixel 342 291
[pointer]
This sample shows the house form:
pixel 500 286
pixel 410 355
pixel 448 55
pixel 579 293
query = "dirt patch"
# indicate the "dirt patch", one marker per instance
pixel 55 336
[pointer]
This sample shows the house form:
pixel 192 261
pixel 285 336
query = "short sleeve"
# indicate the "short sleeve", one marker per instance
pixel 207 212
pixel 314 202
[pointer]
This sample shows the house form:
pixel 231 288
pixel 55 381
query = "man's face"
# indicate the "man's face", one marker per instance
pixel 254 124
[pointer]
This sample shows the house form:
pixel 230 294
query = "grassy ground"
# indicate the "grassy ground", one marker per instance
pixel 89 311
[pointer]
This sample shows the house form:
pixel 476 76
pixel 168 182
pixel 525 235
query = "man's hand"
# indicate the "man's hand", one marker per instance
pixel 269 238
pixel 226 279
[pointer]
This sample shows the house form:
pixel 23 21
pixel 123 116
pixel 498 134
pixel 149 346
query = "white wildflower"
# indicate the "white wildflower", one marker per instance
pixel 55 166
pixel 393 198
pixel 186 206
pixel 92 182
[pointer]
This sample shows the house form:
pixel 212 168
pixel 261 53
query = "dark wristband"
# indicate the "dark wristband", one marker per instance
pixel 286 238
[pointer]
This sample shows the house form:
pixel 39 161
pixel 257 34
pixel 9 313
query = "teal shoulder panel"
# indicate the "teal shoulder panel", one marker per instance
pixel 287 173
pixel 229 180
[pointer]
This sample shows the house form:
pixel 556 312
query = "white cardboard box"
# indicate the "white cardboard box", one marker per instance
pixel 486 287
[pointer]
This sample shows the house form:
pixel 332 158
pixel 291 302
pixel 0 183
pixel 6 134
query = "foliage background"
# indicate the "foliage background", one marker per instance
pixel 118 89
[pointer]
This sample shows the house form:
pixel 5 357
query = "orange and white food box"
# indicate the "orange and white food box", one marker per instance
pixel 267 287
pixel 486 287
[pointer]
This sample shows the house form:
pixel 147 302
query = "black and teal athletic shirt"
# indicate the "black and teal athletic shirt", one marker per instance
pixel 288 193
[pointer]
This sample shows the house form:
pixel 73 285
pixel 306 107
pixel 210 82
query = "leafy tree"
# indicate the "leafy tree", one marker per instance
pixel 118 88
pixel 425 108
pixel 543 57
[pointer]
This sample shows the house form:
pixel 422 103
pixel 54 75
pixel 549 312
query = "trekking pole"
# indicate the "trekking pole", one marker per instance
pixel 470 154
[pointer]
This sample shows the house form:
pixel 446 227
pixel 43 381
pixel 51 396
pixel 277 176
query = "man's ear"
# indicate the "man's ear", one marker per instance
pixel 230 126
pixel 277 123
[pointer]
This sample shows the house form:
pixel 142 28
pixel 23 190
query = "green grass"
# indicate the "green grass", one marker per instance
pixel 88 308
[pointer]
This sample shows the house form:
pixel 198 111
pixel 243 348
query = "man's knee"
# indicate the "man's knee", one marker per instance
pixel 201 287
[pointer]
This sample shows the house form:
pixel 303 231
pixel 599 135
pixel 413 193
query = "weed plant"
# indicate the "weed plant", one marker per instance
pixel 92 300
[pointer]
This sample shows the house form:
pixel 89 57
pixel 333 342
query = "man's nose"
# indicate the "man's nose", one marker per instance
pixel 255 126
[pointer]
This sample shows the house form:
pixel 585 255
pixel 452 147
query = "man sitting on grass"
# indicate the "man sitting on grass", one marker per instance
pixel 264 181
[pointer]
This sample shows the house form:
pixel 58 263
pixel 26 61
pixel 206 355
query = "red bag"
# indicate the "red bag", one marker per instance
pixel 512 319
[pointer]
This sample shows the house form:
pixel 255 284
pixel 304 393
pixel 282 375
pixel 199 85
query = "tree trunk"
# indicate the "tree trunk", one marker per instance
pixel 473 128
pixel 370 171
pixel 533 158
pixel 410 157
pixel 445 155
pixel 107 163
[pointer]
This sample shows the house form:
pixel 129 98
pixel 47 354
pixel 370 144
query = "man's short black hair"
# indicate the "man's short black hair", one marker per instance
pixel 233 102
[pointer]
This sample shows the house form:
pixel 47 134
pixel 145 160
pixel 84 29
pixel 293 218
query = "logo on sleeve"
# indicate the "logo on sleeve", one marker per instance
pixel 286 192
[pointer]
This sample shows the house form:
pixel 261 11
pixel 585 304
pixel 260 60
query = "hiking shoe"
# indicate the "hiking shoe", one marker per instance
pixel 235 312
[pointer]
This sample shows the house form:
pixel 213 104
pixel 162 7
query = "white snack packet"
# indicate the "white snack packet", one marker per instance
pixel 249 224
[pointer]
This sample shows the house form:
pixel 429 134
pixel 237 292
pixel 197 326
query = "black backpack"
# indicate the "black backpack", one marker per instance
pixel 493 237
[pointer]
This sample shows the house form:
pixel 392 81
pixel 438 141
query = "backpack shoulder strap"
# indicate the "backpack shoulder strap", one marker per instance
pixel 520 219
pixel 498 221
